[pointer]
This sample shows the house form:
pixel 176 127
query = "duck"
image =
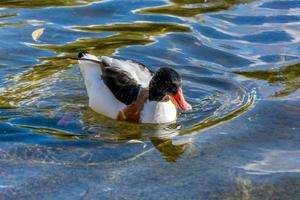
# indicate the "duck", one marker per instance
pixel 127 90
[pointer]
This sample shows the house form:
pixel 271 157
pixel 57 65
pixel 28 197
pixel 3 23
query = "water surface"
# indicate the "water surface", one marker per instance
pixel 239 61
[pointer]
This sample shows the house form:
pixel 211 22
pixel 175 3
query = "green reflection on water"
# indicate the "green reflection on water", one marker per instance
pixel 45 3
pixel 189 8
pixel 6 15
pixel 128 34
pixel 25 85
pixel 59 134
pixel 139 28
pixel 16 24
pixel 288 76
pixel 170 152
pixel 7 24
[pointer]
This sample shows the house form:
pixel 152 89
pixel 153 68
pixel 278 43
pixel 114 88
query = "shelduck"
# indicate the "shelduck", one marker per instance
pixel 127 90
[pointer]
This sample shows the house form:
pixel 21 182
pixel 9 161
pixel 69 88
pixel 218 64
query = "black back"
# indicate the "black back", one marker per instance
pixel 123 87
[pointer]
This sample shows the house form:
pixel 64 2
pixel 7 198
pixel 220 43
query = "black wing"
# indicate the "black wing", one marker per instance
pixel 124 88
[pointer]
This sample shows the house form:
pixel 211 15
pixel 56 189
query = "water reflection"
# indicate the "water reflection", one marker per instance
pixel 189 8
pixel 6 15
pixel 288 76
pixel 161 136
pixel 275 161
pixel 46 3
pixel 94 127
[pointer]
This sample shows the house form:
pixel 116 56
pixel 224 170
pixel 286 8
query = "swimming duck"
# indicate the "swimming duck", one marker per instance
pixel 128 90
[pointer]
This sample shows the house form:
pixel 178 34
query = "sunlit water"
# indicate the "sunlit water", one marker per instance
pixel 239 63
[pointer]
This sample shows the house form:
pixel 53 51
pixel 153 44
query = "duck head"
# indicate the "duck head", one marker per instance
pixel 166 83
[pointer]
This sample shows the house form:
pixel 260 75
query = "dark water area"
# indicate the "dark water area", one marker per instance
pixel 239 60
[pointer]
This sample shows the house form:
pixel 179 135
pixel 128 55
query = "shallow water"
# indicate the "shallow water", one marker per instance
pixel 240 66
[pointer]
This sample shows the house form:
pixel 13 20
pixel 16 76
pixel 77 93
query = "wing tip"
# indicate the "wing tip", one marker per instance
pixel 82 54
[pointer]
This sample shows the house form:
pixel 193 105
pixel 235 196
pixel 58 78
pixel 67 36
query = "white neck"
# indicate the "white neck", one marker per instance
pixel 158 112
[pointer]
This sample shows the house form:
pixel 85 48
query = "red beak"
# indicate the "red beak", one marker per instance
pixel 181 101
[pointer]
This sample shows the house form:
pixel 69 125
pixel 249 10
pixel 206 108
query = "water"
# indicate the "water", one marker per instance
pixel 240 65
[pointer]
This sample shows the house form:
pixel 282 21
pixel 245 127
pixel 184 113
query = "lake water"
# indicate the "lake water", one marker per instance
pixel 240 63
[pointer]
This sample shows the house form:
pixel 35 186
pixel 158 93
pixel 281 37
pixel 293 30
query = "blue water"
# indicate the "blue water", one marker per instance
pixel 240 63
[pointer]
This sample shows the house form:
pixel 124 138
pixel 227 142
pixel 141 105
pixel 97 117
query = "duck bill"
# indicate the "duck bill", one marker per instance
pixel 179 98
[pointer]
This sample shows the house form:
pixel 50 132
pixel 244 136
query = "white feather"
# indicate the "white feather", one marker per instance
pixel 158 112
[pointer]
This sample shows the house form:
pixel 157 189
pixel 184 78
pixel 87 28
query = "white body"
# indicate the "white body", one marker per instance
pixel 102 100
